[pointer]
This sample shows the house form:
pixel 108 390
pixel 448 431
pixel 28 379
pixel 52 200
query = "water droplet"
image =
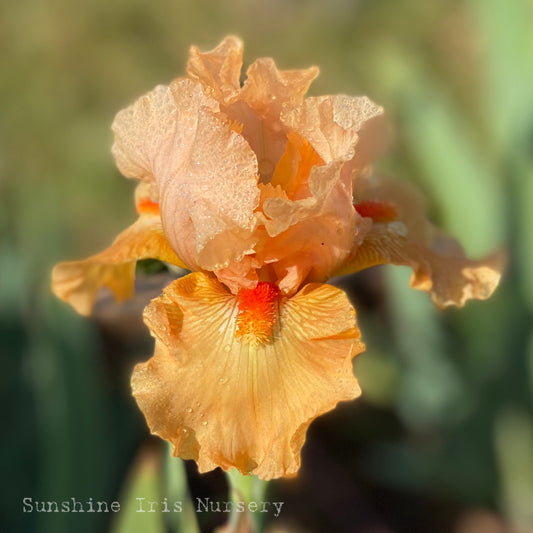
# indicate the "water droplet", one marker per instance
pixel 227 348
pixel 189 409
pixel 185 431
pixel 222 380
pixel 204 423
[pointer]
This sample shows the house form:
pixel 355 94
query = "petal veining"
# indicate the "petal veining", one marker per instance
pixel 227 402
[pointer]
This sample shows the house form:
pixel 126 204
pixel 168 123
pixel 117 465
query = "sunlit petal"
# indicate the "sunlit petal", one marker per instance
pixel 450 279
pixel 148 134
pixel 402 198
pixel 218 70
pixel 78 282
pixel 340 127
pixel 226 401
pixel 205 172
pixel 311 237
pixel 267 89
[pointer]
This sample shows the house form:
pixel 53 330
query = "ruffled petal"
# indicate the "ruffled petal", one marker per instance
pixel 147 133
pixel 218 70
pixel 340 127
pixel 78 282
pixel 224 401
pixel 259 104
pixel 267 90
pixel 207 203
pixel 311 237
pixel 401 234
pixel 204 171
pixel 442 270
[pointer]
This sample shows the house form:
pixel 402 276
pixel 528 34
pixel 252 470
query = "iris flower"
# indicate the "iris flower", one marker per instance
pixel 263 195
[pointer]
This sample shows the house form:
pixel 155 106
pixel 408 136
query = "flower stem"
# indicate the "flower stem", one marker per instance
pixel 177 490
pixel 243 491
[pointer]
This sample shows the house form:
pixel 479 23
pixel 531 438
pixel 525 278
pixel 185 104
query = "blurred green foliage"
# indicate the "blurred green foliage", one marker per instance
pixel 456 78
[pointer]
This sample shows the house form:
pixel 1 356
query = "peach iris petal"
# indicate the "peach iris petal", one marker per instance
pixel 231 404
pixel 340 127
pixel 439 264
pixel 258 104
pixel 292 171
pixel 450 279
pixel 241 274
pixel 309 237
pixel 214 192
pixel 218 70
pixel 78 282
pixel 265 93
pixel 267 90
pixel 205 173
pixel 147 136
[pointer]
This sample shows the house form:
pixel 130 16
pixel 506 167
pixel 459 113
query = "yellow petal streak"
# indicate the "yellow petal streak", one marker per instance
pixel 229 403
pixel 78 282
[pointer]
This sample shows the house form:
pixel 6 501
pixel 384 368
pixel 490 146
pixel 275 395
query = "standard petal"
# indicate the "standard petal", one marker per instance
pixel 208 199
pixel 267 89
pixel 218 70
pixel 259 104
pixel 340 127
pixel 227 402
pixel 204 172
pixel 78 282
pixel 449 277
pixel 147 134
pixel 311 237
pixel 292 171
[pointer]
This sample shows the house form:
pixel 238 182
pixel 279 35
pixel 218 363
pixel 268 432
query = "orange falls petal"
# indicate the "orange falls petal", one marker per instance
pixel 230 403
pixel 78 282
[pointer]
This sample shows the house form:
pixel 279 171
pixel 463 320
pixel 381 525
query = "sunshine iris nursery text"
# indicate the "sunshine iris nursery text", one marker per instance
pixel 143 505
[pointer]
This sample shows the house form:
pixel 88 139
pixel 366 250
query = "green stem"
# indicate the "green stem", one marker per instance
pixel 245 490
pixel 177 490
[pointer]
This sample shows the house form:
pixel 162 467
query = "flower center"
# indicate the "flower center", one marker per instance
pixel 377 211
pixel 257 312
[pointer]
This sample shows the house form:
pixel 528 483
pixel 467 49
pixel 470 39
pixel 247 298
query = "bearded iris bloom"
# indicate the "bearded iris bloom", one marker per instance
pixel 263 195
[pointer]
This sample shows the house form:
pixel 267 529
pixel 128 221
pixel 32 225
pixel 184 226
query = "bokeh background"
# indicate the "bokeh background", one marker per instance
pixel 442 439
